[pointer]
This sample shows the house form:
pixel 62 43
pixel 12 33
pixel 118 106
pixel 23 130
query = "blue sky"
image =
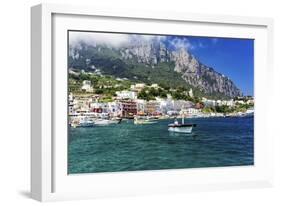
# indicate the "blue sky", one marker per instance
pixel 231 57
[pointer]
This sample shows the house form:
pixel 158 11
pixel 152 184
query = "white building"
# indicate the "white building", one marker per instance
pixel 169 96
pixel 152 107
pixel 239 102
pixel 114 109
pixel 140 106
pixel 70 104
pixel 229 103
pixel 154 86
pixel 126 95
pixel 182 104
pixel 209 102
pixel 70 97
pixel 87 86
pixel 190 93
pixel 172 113
pixel 70 108
pixel 100 110
pixel 138 87
pixel 193 111
pixel 96 105
pixel 73 72
pixel 190 112
pixel 250 101
pixel 165 105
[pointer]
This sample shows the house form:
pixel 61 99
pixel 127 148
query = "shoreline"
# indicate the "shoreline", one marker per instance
pixel 126 120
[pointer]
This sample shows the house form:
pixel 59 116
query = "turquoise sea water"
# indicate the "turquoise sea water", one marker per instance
pixel 215 142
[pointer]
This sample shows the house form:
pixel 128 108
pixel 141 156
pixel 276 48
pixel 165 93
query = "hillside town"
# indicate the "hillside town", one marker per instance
pixel 86 107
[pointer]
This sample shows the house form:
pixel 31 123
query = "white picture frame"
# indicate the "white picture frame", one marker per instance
pixel 49 179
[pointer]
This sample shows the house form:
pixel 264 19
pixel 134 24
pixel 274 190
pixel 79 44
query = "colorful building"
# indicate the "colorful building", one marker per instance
pixel 129 108
pixel 152 107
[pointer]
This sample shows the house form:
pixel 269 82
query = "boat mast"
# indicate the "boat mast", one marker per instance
pixel 182 115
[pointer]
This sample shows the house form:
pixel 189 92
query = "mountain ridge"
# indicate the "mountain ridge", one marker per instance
pixel 140 58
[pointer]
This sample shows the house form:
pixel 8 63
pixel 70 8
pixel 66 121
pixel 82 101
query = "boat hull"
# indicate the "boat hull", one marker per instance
pixel 86 124
pixel 180 129
pixel 144 122
pixel 106 122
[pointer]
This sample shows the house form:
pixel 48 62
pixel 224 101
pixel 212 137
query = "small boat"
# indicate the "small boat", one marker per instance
pixel 116 120
pixel 103 122
pixel 143 120
pixel 180 128
pixel 85 122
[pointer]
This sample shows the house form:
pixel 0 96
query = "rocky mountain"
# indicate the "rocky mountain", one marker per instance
pixel 152 61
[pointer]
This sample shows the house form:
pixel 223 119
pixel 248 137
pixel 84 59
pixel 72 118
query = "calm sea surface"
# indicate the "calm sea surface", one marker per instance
pixel 128 147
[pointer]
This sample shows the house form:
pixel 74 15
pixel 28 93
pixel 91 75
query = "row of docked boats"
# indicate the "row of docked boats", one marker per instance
pixel 90 122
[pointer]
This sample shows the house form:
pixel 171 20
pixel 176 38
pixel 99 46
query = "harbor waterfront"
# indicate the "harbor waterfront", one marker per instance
pixel 150 102
pixel 142 129
pixel 214 142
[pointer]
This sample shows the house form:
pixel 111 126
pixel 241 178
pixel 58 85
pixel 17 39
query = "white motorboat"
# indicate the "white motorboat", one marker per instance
pixel 143 120
pixel 102 122
pixel 86 122
pixel 181 128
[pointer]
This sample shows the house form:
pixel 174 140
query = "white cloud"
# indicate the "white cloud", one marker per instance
pixel 109 39
pixel 182 43
pixel 120 40
pixel 93 38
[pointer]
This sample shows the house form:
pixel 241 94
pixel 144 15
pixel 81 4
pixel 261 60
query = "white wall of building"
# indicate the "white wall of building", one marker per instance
pixel 126 94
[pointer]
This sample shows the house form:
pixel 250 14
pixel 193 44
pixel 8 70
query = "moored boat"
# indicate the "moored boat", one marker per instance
pixel 85 122
pixel 181 128
pixel 103 122
pixel 143 120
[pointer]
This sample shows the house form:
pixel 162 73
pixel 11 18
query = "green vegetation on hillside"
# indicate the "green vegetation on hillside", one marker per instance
pixel 104 85
pixel 107 86
pixel 149 93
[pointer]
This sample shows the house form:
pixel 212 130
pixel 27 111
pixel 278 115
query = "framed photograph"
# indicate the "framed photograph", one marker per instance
pixel 135 102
